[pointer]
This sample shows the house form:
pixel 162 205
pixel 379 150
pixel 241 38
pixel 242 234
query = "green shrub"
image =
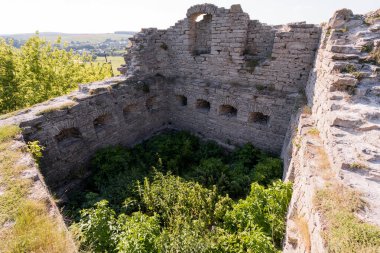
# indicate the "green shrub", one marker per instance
pixel 138 233
pixel 35 149
pixel 266 170
pixel 211 171
pixel 264 208
pixel 172 192
pixel 39 71
pixel 96 228
pixel 8 132
pixel 249 240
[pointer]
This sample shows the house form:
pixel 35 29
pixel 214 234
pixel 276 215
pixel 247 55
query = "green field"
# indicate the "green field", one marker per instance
pixel 68 37
pixel 116 61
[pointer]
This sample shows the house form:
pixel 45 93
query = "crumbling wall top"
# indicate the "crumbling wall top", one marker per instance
pixel 201 8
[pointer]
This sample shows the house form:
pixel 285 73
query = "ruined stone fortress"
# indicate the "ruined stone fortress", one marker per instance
pixel 225 77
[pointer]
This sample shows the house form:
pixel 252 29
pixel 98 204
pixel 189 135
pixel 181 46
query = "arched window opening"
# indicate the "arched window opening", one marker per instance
pixel 228 111
pixel 102 122
pixel 181 100
pixel 259 118
pixel 68 136
pixel 130 110
pixel 200 34
pixel 203 105
pixel 200 17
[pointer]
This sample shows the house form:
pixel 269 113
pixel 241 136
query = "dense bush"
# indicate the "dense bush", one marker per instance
pixel 175 193
pixel 39 71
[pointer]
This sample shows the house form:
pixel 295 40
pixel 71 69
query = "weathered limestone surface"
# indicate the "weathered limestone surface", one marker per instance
pixel 342 92
pixel 345 104
pixel 257 69
pixel 304 170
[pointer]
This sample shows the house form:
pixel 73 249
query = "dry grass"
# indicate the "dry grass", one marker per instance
pixel 306 110
pixel 323 159
pixel 10 114
pixel 303 229
pixel 35 231
pixel 375 55
pixel 30 226
pixel 373 17
pixel 314 131
pixel 358 166
pixel 8 132
pixel 64 106
pixel 345 232
pixel 323 163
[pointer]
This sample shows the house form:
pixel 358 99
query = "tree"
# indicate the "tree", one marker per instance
pixel 39 71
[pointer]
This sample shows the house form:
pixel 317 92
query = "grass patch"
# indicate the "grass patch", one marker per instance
pixel 323 161
pixel 358 75
pixel 297 141
pixel 303 229
pixel 9 132
pixel 64 106
pixel 31 228
pixel 345 232
pixel 10 114
pixel 35 231
pixel 306 110
pixel 367 48
pixel 375 55
pixel 358 166
pixel 313 131
pixel 116 62
pixel 348 69
pixel 342 30
pixel 369 20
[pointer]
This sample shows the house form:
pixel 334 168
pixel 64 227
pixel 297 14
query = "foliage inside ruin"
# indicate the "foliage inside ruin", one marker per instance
pixel 176 193
pixel 40 70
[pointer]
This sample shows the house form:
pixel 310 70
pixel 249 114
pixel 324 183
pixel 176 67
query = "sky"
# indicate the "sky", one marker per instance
pixel 99 16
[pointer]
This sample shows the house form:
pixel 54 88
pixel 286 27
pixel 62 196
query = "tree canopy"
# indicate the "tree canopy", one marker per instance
pixel 40 70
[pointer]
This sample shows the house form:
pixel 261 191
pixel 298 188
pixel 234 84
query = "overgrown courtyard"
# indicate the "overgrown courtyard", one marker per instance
pixel 177 193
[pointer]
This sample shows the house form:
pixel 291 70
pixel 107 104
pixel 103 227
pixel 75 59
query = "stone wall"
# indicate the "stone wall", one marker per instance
pixel 258 70
pixel 233 80
pixel 73 127
pixel 225 77
pixel 343 92
pixel 338 142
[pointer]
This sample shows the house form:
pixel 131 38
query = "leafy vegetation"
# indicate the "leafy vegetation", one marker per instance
pixel 35 149
pixel 39 71
pixel 175 193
